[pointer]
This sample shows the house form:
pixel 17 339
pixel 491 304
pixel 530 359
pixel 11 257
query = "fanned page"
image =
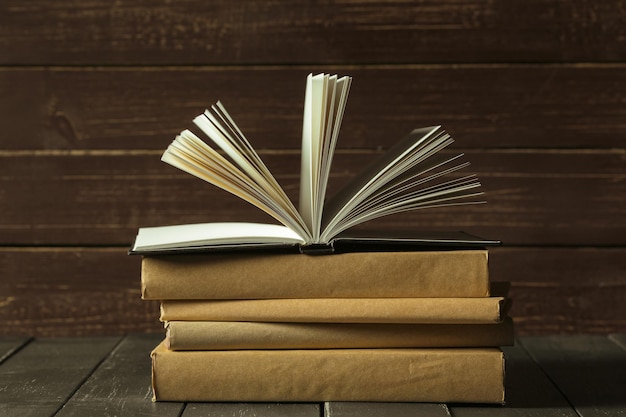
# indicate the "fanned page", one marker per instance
pixel 411 175
pixel 406 177
pixel 246 176
pixel 324 104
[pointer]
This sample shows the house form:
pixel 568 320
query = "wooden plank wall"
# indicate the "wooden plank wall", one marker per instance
pixel 534 91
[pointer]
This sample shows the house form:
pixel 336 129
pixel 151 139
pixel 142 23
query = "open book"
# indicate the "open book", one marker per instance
pixel 411 175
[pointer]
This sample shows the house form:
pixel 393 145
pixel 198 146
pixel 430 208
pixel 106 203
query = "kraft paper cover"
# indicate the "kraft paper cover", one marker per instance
pixel 216 335
pixel 419 375
pixel 344 310
pixel 462 273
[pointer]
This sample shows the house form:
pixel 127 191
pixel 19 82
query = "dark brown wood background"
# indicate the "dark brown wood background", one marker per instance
pixel 534 91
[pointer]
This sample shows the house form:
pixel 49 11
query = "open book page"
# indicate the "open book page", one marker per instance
pixel 411 175
pixel 330 143
pixel 325 101
pixel 402 179
pixel 310 128
pixel 213 234
pixel 247 178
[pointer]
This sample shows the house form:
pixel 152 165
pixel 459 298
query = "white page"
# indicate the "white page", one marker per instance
pixel 311 139
pixel 450 193
pixel 340 92
pixel 404 191
pixel 189 235
pixel 220 118
pixel 184 152
pixel 325 101
pixel 362 185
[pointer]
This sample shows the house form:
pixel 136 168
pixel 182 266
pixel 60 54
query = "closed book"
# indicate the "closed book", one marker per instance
pixel 468 375
pixel 445 310
pixel 437 273
pixel 226 335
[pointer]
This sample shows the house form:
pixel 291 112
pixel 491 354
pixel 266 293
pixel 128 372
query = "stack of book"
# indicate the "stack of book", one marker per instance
pixel 305 311
pixel 373 326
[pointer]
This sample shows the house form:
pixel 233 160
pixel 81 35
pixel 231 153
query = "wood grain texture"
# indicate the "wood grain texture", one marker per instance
pixel 42 376
pixel 367 409
pixel 534 197
pixel 482 105
pixel 10 345
pixel 121 385
pixel 563 290
pixel 252 410
pixel 73 291
pixel 83 291
pixel 529 392
pixel 588 370
pixel 278 32
pixel 91 93
pixel 619 339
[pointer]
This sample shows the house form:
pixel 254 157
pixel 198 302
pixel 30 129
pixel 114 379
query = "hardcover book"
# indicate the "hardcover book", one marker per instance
pixel 406 310
pixel 237 335
pixel 256 275
pixel 411 175
pixel 312 375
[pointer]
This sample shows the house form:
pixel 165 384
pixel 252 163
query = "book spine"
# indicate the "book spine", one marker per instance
pixel 340 310
pixel 347 275
pixel 203 335
pixel 420 375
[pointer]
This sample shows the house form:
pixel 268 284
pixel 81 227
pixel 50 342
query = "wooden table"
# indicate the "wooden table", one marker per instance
pixel 110 376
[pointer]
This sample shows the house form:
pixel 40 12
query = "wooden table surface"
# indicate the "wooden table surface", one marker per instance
pixel 583 375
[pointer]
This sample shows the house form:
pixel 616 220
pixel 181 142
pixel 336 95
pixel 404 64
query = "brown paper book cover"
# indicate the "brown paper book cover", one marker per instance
pixel 225 335
pixel 446 310
pixel 447 273
pixel 468 375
